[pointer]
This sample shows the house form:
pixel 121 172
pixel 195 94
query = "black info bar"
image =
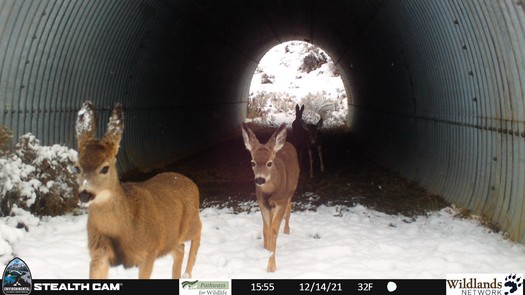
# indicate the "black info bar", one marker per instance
pixel 241 287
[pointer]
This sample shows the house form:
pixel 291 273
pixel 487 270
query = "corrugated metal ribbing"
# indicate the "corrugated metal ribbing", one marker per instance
pixel 56 54
pixel 466 61
pixel 51 63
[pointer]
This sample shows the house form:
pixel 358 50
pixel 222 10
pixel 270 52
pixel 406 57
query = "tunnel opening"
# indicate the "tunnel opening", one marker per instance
pixel 297 73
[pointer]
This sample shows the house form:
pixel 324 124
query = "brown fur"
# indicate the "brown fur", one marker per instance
pixel 275 183
pixel 132 224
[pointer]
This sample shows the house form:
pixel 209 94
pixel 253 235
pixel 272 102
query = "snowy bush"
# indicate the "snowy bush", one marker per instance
pixel 333 70
pixel 322 105
pixel 5 140
pixel 12 229
pixel 37 178
pixel 257 105
pixel 267 79
pixel 264 104
pixel 313 59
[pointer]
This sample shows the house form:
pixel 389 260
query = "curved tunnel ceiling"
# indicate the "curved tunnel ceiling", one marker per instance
pixel 436 87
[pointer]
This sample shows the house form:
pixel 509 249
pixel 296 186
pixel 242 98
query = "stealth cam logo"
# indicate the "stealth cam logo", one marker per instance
pixel 16 278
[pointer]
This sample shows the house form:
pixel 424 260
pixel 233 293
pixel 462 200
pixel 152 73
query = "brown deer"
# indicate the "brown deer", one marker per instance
pixel 276 171
pixel 132 224
pixel 307 137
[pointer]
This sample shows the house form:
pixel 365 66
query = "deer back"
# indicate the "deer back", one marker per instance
pixel 164 210
pixel 145 217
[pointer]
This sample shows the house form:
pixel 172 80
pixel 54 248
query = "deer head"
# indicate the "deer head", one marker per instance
pixel 314 131
pixel 263 155
pixel 95 168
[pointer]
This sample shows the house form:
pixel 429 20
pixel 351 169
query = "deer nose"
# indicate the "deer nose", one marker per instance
pixel 260 181
pixel 85 196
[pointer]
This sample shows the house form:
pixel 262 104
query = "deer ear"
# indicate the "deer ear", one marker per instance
pixel 278 138
pixel 86 127
pixel 115 128
pixel 250 140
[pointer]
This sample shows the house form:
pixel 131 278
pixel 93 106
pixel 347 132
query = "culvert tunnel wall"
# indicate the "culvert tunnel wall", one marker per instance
pixel 435 87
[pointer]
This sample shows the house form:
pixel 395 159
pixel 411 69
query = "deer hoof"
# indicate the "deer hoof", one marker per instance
pixel 186 275
pixel 271 268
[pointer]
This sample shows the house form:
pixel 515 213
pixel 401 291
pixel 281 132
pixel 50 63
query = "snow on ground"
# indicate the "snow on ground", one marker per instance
pixel 330 242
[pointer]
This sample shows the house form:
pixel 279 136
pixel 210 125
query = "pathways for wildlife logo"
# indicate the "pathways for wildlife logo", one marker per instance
pixel 16 278
pixel 198 287
pixel 484 284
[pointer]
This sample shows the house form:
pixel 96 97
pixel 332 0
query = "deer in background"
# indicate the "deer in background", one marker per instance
pixel 307 137
pixel 276 171
pixel 132 224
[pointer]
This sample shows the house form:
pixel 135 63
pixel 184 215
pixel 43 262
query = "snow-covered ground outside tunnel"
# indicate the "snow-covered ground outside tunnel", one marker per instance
pixel 326 242
pixel 330 242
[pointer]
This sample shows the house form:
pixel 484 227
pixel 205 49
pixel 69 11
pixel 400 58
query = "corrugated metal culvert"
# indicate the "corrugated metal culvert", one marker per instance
pixel 437 86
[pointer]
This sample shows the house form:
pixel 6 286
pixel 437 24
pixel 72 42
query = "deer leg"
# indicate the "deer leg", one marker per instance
pixel 311 163
pixel 320 151
pixel 276 213
pixel 98 268
pixel 178 255
pixel 302 155
pixel 195 243
pixel 299 156
pixel 265 211
pixel 266 236
pixel 146 267
pixel 287 217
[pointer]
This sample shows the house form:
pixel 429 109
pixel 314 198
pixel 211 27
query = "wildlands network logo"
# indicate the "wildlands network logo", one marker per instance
pixel 16 278
pixel 484 284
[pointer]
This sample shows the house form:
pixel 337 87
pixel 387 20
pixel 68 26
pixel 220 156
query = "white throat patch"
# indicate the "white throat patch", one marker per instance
pixel 102 197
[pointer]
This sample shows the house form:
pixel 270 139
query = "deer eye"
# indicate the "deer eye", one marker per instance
pixel 104 170
pixel 253 164
pixel 77 169
pixel 269 164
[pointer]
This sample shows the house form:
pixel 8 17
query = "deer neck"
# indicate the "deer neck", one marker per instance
pixel 109 212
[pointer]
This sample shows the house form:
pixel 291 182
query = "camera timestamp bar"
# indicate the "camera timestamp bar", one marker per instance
pixel 332 287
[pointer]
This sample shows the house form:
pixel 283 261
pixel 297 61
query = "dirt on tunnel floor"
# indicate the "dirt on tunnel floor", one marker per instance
pixel 225 179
